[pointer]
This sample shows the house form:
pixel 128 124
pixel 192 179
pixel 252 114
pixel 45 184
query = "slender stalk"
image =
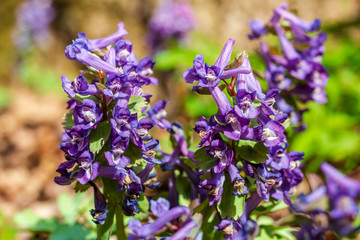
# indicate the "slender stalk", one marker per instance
pixel 120 227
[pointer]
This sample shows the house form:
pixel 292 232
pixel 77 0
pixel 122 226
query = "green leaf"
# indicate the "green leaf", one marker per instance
pixel 71 232
pixel 68 120
pixel 99 136
pixel 81 188
pixel 143 204
pixel 29 220
pixel 254 154
pixel 285 232
pixel 67 207
pixel 205 161
pixel 134 153
pixel 230 206
pixel 136 103
pixel 139 165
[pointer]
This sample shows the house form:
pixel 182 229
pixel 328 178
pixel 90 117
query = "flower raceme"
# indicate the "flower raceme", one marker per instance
pixel 296 69
pixel 250 122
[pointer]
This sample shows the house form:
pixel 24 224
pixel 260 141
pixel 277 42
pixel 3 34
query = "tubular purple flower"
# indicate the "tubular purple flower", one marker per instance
pixel 151 228
pixel 257 29
pixel 294 20
pixel 184 231
pixel 74 51
pixel 237 181
pixel 250 204
pixel 100 43
pixel 87 115
pixel 248 81
pixel 338 182
pixel 110 57
pixel 214 187
pixel 224 58
pixel 173 194
pixel 210 77
pixel 89 169
pixel 100 212
pixel 79 85
pixel 286 46
pixel 221 100
pixel 160 206
pixel 273 133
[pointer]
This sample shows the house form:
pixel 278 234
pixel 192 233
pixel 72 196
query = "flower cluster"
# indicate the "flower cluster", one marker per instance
pixel 33 20
pixel 245 141
pixel 297 69
pixel 106 125
pixel 171 20
pixel 107 136
pixel 341 193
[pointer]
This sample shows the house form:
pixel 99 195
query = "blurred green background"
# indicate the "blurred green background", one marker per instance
pixel 32 102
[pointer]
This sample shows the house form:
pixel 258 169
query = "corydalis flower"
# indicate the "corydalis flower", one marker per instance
pixel 87 115
pixel 33 18
pixel 140 231
pixel 171 20
pixel 81 47
pixel 100 212
pixel 210 76
pixel 342 193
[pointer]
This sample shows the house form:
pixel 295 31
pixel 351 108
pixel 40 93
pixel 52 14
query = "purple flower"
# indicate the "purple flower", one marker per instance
pixel 100 43
pixel 229 227
pixel 233 125
pixel 214 187
pixel 66 177
pixel 140 130
pixel 206 130
pixel 79 85
pixel 273 133
pixel 244 108
pixel 149 152
pixel 89 169
pixel 115 155
pixel 33 18
pixel 100 212
pixel 274 75
pixel 237 181
pixel 130 206
pixel 160 206
pixel 210 76
pixel 158 113
pixel 81 47
pixel 219 150
pixel 79 53
pixel 247 81
pixel 146 230
pixel 87 115
pixel 74 140
pixel 123 49
pixel 294 20
pixel 116 86
pixel 171 20
pixel 120 122
pixel 257 29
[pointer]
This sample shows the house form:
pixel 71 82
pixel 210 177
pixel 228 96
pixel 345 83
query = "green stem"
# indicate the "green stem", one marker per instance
pixel 120 227
pixel 104 231
pixel 113 199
